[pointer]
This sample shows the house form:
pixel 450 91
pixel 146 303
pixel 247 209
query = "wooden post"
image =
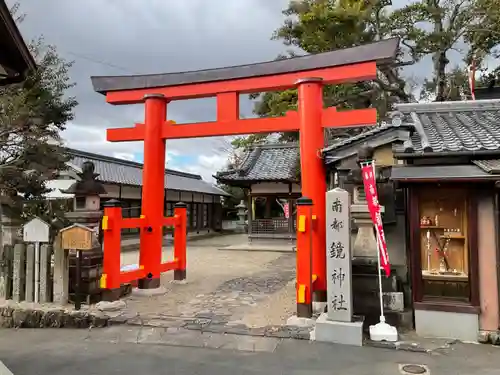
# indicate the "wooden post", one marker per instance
pixel 35 231
pixel 78 281
pixel 45 285
pixel 313 180
pixel 180 241
pixel 111 227
pixel 304 257
pixel 30 273
pixel 153 189
pixel 18 281
pixel 61 272
pixel 6 260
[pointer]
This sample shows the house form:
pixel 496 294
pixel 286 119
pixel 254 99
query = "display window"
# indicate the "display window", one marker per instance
pixel 444 244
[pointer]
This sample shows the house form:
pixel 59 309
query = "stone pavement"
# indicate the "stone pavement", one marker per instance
pixel 131 243
pixel 224 290
pixel 129 350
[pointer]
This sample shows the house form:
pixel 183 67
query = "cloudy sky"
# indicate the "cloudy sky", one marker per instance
pixel 113 37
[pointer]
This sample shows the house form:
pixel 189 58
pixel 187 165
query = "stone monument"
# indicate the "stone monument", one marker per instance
pixel 87 212
pixel 339 325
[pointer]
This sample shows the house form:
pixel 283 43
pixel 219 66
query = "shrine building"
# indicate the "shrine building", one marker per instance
pixel 438 179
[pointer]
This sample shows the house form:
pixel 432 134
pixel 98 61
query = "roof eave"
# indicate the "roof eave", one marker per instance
pixel 19 43
pixel 232 182
pixel 422 155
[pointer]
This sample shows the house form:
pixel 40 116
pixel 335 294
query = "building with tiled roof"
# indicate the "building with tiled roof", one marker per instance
pixel 16 60
pixel 270 175
pixel 444 163
pixel 277 163
pixel 469 131
pixel 123 181
pixel 129 173
pixel 440 188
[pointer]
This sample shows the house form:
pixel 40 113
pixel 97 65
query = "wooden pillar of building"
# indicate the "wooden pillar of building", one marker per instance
pixel 250 213
pixel 269 202
pixel 291 228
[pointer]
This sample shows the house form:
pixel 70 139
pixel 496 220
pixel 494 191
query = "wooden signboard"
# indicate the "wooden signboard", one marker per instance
pixel 77 237
pixel 36 230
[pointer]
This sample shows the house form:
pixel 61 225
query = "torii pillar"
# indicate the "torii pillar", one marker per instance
pixel 307 73
pixel 313 174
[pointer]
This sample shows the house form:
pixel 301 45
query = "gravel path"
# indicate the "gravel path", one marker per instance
pixel 255 289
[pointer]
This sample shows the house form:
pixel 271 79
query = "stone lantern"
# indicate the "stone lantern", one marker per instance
pixel 87 212
pixel 365 262
pixel 365 243
pixel 87 200
pixel 242 214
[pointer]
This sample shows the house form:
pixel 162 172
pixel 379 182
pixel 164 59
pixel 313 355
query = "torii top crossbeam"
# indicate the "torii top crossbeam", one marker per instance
pixel 244 78
pixel 307 73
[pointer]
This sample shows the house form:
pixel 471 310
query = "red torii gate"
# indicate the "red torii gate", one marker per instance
pixel 308 74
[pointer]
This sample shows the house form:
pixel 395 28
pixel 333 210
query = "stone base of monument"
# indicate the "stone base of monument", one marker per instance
pixel 383 332
pixel 294 320
pixel 319 307
pixel 346 333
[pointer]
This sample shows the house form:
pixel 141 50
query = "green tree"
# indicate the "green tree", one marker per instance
pixel 426 28
pixel 456 86
pixel 33 113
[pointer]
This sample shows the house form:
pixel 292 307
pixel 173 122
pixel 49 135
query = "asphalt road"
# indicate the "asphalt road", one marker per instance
pixel 65 352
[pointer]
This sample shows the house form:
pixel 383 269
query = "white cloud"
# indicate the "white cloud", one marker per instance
pixel 94 140
pixel 124 156
pixel 116 37
pixel 206 166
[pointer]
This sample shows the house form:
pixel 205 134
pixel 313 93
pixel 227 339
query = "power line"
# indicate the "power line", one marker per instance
pixel 100 62
pixel 225 143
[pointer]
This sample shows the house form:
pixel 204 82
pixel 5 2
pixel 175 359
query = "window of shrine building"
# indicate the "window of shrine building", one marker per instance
pixel 444 244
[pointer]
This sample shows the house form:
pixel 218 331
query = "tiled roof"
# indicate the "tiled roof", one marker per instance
pixel 271 162
pixel 371 131
pixel 438 172
pixel 489 166
pixel 119 171
pixel 457 127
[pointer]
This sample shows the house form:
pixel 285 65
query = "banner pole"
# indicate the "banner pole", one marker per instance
pixel 382 316
pixel 379 244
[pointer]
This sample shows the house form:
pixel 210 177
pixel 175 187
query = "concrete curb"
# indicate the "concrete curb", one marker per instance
pixel 398 345
pixel 18 316
pixel 38 317
pixel 4 369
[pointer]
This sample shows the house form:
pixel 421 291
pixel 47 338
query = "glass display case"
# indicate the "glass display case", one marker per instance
pixel 444 244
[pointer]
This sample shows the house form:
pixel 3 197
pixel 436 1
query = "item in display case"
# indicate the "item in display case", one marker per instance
pixel 444 247
pixel 425 221
pixel 444 244
pixel 428 250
